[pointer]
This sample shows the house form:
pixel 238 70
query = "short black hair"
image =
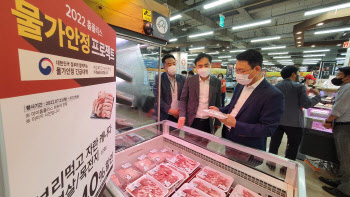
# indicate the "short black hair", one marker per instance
pixel 288 71
pixel 184 72
pixel 190 72
pixel 253 57
pixel 167 56
pixel 221 75
pixel 202 55
pixel 345 70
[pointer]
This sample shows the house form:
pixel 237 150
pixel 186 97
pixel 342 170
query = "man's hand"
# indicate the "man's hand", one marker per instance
pixel 229 121
pixel 181 122
pixel 214 108
pixel 314 91
pixel 327 125
pixel 174 112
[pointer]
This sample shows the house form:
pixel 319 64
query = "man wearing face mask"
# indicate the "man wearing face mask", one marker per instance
pixel 292 122
pixel 171 88
pixel 256 106
pixel 339 119
pixel 200 92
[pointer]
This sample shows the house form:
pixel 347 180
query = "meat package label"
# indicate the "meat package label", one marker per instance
pixel 164 150
pixel 153 151
pixel 134 185
pixel 222 187
pixel 142 157
pixel 127 165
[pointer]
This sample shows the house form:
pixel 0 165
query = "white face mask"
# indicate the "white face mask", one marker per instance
pixel 204 72
pixel 243 79
pixel 220 78
pixel 172 70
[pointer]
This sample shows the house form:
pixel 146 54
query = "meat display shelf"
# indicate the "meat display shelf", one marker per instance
pixel 245 165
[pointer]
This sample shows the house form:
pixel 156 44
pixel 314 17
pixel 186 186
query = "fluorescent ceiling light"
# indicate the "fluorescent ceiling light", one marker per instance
pixel 191 55
pixel 340 58
pixel 312 59
pixel 281 57
pixel 315 55
pixel 251 24
pixel 217 60
pixel 285 60
pixel 224 56
pixel 213 53
pixel 266 39
pixel 281 53
pixel 173 40
pixel 190 59
pixel 232 59
pixel 336 7
pixel 224 62
pixel 316 51
pixel 309 63
pixel 175 17
pixel 197 48
pixel 215 3
pixel 333 30
pixel 271 48
pixel 201 34
pixel 343 54
pixel 320 24
pixel 268 64
pixel 237 51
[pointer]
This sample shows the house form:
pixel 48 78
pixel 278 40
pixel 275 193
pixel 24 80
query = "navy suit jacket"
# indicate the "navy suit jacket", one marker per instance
pixel 165 94
pixel 258 118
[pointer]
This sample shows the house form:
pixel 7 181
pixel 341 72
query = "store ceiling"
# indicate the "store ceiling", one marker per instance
pixel 284 14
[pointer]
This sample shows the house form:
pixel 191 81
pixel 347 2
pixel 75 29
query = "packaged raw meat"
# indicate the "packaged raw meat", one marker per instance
pixel 156 156
pixel 146 186
pixel 116 180
pixel 184 163
pixel 128 173
pixel 214 113
pixel 144 164
pixel 165 175
pixel 135 138
pixel 216 178
pixel 121 143
pixel 189 191
pixel 182 172
pixel 167 154
pixel 207 188
pixel 241 191
pixel 102 106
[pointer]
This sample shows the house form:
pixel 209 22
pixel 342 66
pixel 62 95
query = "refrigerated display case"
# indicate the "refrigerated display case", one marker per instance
pixel 246 166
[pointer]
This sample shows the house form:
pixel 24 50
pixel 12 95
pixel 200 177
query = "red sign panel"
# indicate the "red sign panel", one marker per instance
pixel 216 65
pixel 346 45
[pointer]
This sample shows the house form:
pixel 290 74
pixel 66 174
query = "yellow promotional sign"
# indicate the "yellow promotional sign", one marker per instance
pixel 147 15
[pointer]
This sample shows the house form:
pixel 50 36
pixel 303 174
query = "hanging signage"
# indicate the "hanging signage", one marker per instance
pixel 56 100
pixel 346 44
pixel 222 20
pixel 161 26
pixel 326 69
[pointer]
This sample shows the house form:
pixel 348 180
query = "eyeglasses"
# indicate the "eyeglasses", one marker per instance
pixel 240 71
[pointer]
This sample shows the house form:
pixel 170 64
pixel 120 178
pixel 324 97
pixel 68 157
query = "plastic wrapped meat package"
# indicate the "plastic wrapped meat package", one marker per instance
pixel 184 163
pixel 134 138
pixel 121 143
pixel 216 178
pixel 128 173
pixel 117 181
pixel 144 164
pixel 182 172
pixel 241 191
pixel 189 191
pixel 167 154
pixel 156 156
pixel 207 188
pixel 146 186
pixel 165 175
pixel 214 113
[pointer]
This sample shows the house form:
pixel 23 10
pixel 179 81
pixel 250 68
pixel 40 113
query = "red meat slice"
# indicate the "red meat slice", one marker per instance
pixel 185 163
pixel 103 105
pixel 247 194
pixel 147 188
pixel 129 174
pixel 211 192
pixel 156 156
pixel 216 179
pixel 144 165
pixel 165 176
pixel 191 193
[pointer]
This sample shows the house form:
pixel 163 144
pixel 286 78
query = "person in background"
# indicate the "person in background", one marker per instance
pixel 190 73
pixel 200 92
pixel 292 122
pixel 184 73
pixel 171 88
pixel 339 119
pixel 308 81
pixel 223 89
pixel 256 106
